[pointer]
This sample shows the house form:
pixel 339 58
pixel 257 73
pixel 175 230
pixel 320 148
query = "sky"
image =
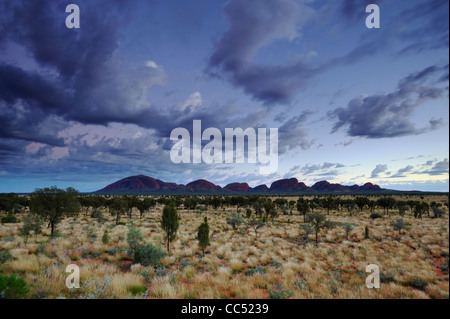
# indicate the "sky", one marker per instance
pixel 85 107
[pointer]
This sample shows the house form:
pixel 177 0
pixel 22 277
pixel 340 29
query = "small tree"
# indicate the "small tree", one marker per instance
pixel 31 223
pixel 144 205
pixel 53 204
pixel 234 220
pixel 303 207
pixel 399 224
pixel 318 221
pixel 134 238
pixel 149 255
pixel 105 237
pixel 308 230
pixel 256 224
pixel 118 206
pixel 97 214
pixel 273 213
pixel 348 228
pixel 248 213
pixel 366 233
pixel 203 235
pixel 170 223
pixel 438 212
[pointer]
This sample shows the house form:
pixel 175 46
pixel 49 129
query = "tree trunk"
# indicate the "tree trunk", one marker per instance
pixel 53 228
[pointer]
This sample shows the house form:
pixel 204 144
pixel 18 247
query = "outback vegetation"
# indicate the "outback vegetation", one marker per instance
pixel 223 246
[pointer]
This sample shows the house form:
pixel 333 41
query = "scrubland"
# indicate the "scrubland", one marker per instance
pixel 279 263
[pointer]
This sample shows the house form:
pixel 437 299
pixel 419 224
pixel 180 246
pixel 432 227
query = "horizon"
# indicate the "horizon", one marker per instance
pixel 237 192
pixel 88 106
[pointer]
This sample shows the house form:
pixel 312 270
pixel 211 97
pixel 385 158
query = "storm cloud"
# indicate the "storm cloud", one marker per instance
pixel 388 115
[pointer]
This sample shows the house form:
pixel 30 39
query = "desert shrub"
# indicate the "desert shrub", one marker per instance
pixel 257 270
pixel 85 254
pixel 134 239
pixel 94 288
pixel 113 251
pixel 92 236
pixel 40 249
pixel 279 293
pixel 387 277
pixel 10 218
pixel 105 237
pixel 95 254
pixel 417 283
pixel 275 264
pixel 185 263
pixel 5 256
pixel 149 255
pixel 137 290
pixel 146 274
pixel 160 271
pixel 300 284
pixel 12 287
pixel 97 214
pixel 234 220
pixel 444 266
pixel 366 232
pixel 375 215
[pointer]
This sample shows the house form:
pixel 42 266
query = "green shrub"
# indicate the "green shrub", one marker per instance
pixel 97 214
pixel 279 293
pixel 257 270
pixel 10 218
pixel 5 256
pixel 444 266
pixel 113 251
pixel 94 288
pixel 137 290
pixel 387 277
pixel 300 284
pixel 149 255
pixel 375 215
pixel 275 264
pixel 417 283
pixel 12 287
pixel 134 238
pixel 160 271
pixel 105 237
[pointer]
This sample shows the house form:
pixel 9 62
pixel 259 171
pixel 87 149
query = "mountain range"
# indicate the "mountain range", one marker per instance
pixel 144 184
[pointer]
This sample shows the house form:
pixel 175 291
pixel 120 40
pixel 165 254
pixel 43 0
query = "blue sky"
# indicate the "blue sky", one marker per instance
pixel 86 107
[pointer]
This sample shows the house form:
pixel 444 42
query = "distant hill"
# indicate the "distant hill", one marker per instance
pixel 142 184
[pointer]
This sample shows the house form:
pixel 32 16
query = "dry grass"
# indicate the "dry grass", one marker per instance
pixel 236 265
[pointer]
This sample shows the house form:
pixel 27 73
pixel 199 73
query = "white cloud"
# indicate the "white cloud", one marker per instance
pixel 151 64
pixel 193 102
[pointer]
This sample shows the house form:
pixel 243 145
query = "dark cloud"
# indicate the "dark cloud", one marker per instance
pixel 401 172
pixel 381 168
pixel 420 26
pixel 387 115
pixel 317 169
pixel 292 134
pixel 79 78
pixel 439 168
pixel 251 27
